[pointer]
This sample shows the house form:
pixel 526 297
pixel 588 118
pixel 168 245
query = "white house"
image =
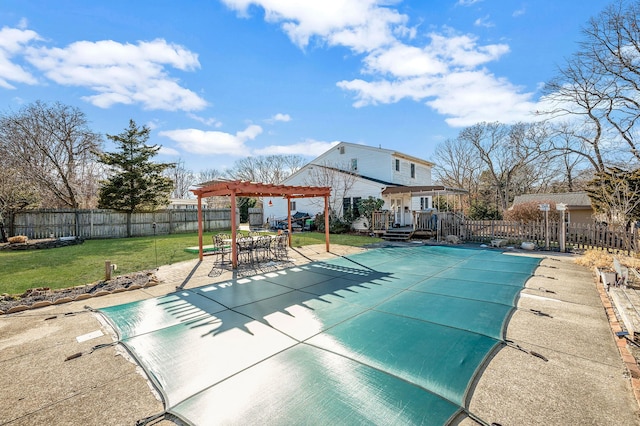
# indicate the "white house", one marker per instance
pixel 355 172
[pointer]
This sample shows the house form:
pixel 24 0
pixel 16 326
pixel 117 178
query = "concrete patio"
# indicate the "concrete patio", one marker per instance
pixel 583 381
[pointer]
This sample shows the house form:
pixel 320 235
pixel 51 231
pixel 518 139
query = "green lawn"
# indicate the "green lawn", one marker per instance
pixel 83 264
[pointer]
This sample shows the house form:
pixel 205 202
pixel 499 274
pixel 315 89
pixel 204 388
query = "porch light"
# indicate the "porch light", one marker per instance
pixel 270 203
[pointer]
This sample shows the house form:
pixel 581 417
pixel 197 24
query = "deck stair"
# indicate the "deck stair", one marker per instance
pixel 398 234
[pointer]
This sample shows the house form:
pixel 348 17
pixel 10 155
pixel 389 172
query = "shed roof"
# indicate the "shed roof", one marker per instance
pixel 571 199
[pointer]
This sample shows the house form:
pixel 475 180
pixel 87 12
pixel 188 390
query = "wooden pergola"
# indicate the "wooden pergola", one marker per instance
pixel 238 188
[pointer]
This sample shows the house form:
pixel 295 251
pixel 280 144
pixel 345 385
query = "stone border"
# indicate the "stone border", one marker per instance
pixel 628 359
pixel 83 296
pixel 41 244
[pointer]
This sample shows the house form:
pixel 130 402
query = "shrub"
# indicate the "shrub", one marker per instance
pixel 530 212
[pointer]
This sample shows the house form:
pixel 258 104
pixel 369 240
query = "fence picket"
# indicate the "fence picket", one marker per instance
pixel 578 235
pixel 100 223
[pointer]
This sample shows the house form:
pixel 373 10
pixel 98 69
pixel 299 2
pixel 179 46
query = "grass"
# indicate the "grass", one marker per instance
pixel 83 264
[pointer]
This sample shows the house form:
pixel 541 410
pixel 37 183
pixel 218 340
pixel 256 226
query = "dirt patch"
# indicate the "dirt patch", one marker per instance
pixel 44 296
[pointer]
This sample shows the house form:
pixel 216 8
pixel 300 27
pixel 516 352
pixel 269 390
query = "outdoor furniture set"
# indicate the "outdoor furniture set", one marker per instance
pixel 252 248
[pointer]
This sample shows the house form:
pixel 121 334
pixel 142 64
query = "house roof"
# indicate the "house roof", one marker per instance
pixel 379 149
pixel 424 189
pixel 571 199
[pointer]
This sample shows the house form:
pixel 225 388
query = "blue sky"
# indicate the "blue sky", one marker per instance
pixel 219 80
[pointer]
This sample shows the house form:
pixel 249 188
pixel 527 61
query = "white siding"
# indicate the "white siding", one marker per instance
pixel 375 163
pixel 372 162
pixel 403 177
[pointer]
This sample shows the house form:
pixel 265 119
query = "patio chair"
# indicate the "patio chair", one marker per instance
pixel 262 248
pixel 280 246
pixel 221 247
pixel 245 248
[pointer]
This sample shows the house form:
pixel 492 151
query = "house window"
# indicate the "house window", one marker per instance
pixel 351 204
pixel 354 164
pixel 292 205
pixel 413 171
pixel 341 150
pixel 356 201
pixel 424 203
pixel 346 205
pixel 397 165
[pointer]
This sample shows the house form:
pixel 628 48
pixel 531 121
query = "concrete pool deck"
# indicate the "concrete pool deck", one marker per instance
pixel 583 381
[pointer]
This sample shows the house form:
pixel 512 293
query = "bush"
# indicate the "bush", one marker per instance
pixel 530 212
pixel 336 225
pixel 482 211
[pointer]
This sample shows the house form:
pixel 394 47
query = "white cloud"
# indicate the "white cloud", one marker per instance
pixel 465 97
pixel 358 24
pixel 278 117
pixel 402 60
pixel 213 142
pixel 169 151
pixel 211 121
pixel 449 73
pixel 13 42
pixel 484 22
pixel 519 12
pixel 308 148
pixel 446 74
pixel 474 96
pixel 122 73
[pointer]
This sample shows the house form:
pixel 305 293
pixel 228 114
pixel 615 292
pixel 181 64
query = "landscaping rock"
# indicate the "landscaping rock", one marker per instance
pixel 44 296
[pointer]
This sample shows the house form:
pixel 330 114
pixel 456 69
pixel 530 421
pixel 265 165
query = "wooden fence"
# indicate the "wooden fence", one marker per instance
pixel 99 223
pixel 578 236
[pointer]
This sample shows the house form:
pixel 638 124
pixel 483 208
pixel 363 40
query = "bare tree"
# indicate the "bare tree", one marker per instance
pixel 598 89
pixel 611 48
pixel 335 176
pixel 615 195
pixel 575 97
pixel 183 179
pixel 458 165
pixel 54 150
pixel 209 175
pixel 267 169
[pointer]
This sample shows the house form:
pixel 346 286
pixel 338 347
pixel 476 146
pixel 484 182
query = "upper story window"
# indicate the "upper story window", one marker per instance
pixel 341 150
pixel 397 165
pixel 413 170
pixel 292 205
pixel 354 164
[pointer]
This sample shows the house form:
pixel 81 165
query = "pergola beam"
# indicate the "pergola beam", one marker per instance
pixel 239 188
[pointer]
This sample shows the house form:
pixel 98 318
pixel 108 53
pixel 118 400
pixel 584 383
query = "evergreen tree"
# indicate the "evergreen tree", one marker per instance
pixel 136 183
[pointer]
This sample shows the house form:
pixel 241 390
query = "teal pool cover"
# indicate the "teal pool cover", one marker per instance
pixel 388 336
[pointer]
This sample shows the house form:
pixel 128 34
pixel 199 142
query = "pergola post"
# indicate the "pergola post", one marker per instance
pixel 289 219
pixel 240 188
pixel 234 247
pixel 200 230
pixel 326 221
